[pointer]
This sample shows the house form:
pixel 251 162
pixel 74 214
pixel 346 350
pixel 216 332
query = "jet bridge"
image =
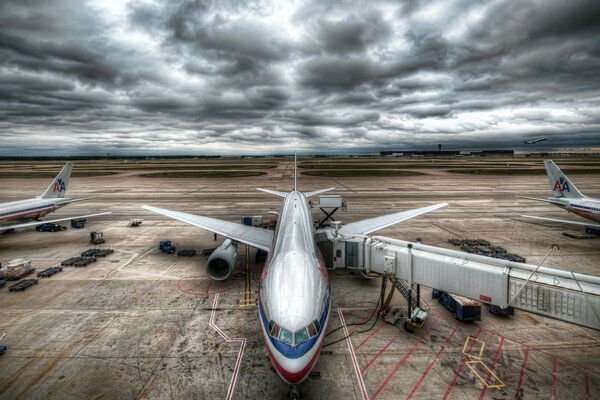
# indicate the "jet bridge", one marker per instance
pixel 559 294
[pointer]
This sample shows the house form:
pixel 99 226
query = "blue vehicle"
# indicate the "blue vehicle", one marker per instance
pixel 166 247
pixel 464 309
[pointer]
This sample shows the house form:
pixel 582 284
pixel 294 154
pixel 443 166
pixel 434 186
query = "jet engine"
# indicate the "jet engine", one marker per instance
pixel 222 261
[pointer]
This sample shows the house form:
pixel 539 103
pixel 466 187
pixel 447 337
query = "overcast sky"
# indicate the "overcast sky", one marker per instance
pixel 199 77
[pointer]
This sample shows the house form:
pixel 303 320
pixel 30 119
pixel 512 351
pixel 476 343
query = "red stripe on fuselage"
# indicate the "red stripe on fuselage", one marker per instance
pixel 291 377
pixel 39 212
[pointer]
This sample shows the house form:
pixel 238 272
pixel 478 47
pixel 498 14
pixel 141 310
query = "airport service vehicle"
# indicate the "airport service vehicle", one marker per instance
pixel 78 223
pixel 568 197
pixel 464 309
pixel 166 247
pixel 15 214
pixel 294 297
pixel 50 227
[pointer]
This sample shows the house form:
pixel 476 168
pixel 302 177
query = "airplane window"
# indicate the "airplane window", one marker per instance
pixel 301 336
pixel 286 336
pixel 275 331
pixel 312 331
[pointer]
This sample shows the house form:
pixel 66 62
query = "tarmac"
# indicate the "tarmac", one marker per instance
pixel 141 324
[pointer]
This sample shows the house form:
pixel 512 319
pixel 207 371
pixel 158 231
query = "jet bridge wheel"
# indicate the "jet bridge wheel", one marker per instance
pixel 408 328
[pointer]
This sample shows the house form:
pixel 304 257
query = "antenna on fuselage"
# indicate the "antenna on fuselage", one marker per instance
pixel 295 174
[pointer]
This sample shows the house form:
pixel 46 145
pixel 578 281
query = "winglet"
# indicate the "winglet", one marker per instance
pixel 58 186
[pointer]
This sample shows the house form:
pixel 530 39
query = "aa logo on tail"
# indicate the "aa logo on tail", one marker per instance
pixel 59 185
pixel 562 185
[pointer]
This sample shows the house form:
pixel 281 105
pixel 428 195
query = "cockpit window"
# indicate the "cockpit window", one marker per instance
pixel 317 325
pixel 275 330
pixel 312 331
pixel 286 336
pixel 301 336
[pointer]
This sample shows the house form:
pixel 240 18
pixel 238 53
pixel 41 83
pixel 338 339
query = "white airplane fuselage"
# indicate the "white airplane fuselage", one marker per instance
pixel 30 209
pixel 585 207
pixel 294 294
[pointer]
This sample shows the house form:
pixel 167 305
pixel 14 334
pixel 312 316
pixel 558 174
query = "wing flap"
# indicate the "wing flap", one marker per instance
pixel 367 226
pixel 49 221
pixel 250 235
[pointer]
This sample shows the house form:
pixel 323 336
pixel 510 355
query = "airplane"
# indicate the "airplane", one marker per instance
pixel 294 296
pixel 535 140
pixel 36 208
pixel 567 196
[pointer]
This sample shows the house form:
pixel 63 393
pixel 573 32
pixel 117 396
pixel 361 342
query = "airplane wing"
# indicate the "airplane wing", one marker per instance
pixel 555 202
pixel 374 224
pixel 564 221
pixel 315 192
pixel 48 221
pixel 250 235
pixel 275 192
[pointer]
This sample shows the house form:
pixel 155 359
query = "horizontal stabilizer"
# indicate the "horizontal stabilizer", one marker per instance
pixel 374 224
pixel 35 223
pixel 255 237
pixel 562 221
pixel 555 202
pixel 275 192
pixel 315 192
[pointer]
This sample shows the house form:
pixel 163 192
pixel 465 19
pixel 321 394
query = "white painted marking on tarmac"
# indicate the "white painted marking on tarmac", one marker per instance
pixel 359 377
pixel 238 362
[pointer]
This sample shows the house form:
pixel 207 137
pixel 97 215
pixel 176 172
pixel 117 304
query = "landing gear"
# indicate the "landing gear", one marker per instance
pixel 294 393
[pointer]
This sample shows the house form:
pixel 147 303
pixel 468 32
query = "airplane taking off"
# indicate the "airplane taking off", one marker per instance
pixel 36 208
pixel 294 296
pixel 535 140
pixel 568 197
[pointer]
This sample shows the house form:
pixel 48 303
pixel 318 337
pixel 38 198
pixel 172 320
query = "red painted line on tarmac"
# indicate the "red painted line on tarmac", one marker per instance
pixel 369 337
pixel 522 374
pixel 460 367
pixel 562 360
pixel 392 340
pixel 588 395
pixel 554 376
pixel 432 362
pixel 406 357
pixel 494 362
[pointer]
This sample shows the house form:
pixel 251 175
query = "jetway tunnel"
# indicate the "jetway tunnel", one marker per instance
pixel 555 293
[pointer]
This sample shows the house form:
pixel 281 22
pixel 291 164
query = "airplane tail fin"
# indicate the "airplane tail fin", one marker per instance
pixel 58 187
pixel 559 183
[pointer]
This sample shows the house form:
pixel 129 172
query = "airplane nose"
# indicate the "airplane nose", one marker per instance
pixel 295 370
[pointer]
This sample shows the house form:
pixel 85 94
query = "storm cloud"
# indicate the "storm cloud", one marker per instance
pixel 205 77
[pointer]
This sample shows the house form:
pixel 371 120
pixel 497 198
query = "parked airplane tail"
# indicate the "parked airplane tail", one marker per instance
pixel 559 183
pixel 58 187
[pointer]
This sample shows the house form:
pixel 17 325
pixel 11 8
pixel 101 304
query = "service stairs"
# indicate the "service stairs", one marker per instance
pixel 411 295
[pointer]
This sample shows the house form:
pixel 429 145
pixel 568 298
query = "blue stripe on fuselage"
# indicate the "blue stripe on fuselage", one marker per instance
pixel 287 350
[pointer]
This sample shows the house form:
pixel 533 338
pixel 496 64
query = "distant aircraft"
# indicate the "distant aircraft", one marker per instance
pixel 536 140
pixel 568 197
pixel 36 208
pixel 294 298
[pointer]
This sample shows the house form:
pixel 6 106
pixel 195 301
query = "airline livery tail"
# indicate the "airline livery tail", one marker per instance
pixel 58 187
pixel 559 183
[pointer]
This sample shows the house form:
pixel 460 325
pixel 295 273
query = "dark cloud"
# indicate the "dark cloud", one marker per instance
pixel 273 76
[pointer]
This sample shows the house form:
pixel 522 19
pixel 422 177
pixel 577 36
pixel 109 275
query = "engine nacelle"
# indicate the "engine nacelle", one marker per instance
pixel 222 261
